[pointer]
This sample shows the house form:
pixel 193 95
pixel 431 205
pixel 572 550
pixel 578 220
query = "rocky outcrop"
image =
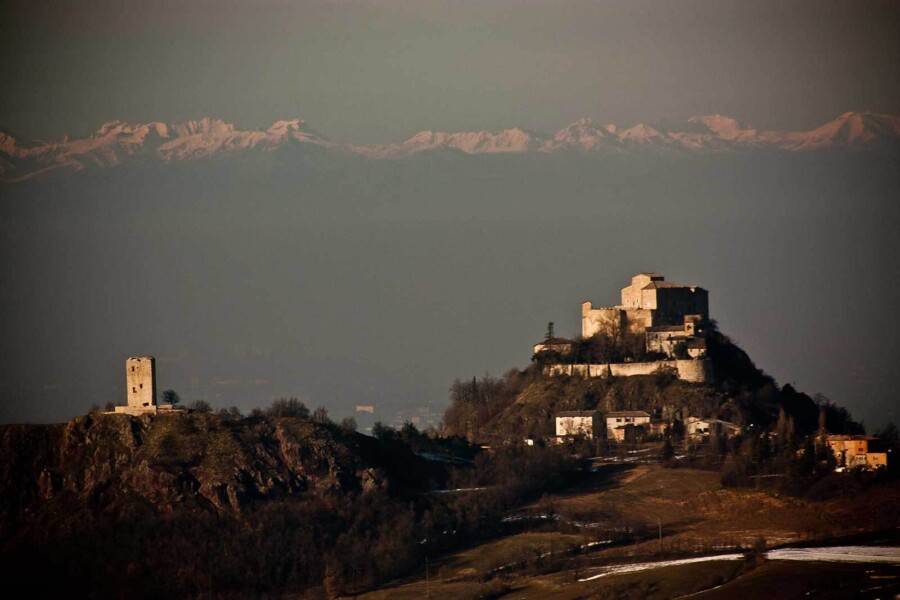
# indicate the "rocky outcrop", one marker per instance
pixel 118 464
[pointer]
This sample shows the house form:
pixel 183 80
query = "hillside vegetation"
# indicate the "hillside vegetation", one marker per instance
pixel 186 503
pixel 523 403
pixel 174 503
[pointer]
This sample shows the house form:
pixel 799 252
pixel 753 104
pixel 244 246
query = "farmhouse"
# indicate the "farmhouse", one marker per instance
pixel 617 422
pixel 857 451
pixel 697 429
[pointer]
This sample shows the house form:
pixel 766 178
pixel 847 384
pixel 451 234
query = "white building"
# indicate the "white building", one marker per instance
pixel 697 428
pixel 616 422
pixel 578 422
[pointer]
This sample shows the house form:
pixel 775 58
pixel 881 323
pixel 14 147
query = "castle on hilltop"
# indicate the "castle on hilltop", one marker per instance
pixel 667 313
pixel 668 320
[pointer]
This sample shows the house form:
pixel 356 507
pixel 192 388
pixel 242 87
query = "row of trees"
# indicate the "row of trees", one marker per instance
pixel 613 345
pixel 280 407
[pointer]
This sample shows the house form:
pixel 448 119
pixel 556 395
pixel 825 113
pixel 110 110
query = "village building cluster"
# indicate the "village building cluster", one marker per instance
pixel 670 319
pixel 636 425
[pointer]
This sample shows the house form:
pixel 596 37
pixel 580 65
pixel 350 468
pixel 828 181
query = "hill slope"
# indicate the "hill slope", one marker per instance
pixel 524 403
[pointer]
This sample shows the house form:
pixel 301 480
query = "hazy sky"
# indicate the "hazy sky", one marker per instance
pixel 378 71
pixel 347 281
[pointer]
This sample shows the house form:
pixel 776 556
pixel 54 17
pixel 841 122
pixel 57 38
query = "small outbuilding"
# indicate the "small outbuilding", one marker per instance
pixel 697 428
pixel 572 423
pixel 616 422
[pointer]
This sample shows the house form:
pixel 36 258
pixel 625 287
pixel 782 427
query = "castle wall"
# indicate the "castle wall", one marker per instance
pixel 698 371
pixel 638 319
pixel 595 320
pixel 631 297
pixel 695 371
pixel 648 298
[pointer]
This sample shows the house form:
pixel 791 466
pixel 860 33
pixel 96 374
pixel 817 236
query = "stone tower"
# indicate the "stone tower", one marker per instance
pixel 140 375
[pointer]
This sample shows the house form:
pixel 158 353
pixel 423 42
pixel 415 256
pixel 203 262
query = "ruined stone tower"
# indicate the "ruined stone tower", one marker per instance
pixel 140 374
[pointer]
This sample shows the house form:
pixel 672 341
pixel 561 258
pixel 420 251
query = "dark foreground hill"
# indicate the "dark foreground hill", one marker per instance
pixel 192 504
pixel 171 504
pixel 115 463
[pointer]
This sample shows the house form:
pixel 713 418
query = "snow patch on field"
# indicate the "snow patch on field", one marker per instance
pixel 635 567
pixel 860 554
pixel 869 554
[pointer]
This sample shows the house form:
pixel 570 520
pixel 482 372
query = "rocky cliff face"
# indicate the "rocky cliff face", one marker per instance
pixel 189 505
pixel 118 464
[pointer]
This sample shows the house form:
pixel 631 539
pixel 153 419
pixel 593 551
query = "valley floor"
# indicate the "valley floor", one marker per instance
pixel 644 531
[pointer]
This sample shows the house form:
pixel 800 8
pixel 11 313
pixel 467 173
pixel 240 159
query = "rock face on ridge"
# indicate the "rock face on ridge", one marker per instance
pixel 116 464
pixel 190 505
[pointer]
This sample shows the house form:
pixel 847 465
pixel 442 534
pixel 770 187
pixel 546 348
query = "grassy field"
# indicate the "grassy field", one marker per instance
pixel 616 517
pixel 811 580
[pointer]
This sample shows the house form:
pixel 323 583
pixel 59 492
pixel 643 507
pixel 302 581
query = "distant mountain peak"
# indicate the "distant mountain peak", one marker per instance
pixel 640 133
pixel 107 127
pixel 288 125
pixel 725 127
pixel 116 142
pixel 471 142
pixel 296 129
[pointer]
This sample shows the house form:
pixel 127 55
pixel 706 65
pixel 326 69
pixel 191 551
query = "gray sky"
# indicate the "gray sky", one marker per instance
pixel 352 282
pixel 379 71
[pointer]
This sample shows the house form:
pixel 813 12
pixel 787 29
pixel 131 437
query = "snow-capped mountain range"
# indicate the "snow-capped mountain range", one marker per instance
pixel 117 143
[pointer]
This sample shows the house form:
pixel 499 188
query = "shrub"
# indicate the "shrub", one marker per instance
pixel 287 407
pixel 200 405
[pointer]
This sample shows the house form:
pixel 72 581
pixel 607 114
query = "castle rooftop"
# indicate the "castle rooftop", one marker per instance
pixel 656 285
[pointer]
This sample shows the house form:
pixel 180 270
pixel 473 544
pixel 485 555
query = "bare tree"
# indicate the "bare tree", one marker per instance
pixel 288 407
pixel 320 415
pixel 200 405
